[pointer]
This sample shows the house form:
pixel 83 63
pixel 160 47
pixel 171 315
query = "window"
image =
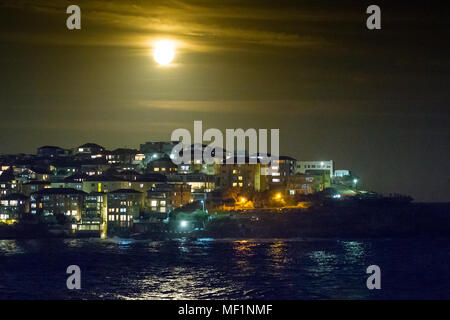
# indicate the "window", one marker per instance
pixel 154 203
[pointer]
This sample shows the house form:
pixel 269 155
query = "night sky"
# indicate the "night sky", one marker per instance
pixel 376 102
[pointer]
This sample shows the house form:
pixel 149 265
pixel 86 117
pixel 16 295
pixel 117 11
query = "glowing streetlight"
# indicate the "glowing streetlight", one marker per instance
pixel 183 223
pixel 243 200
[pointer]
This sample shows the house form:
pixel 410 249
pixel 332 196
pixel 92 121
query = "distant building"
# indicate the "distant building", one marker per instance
pixel 310 166
pixel 145 182
pixel 13 207
pixel 124 206
pixel 54 201
pixel 103 183
pixel 94 217
pixel 246 175
pixel 282 169
pixel 32 186
pixel 121 156
pixel 199 182
pixel 90 148
pixel 166 197
pixel 51 152
pixel 8 183
pixel 156 150
pixel 163 165
pixel 342 173
pixel 305 184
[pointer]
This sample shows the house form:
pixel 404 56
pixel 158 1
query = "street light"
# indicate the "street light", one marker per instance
pixel 203 204
pixel 355 181
pixel 183 223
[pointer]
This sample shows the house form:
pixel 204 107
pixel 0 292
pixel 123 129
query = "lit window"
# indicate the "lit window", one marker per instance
pixel 154 203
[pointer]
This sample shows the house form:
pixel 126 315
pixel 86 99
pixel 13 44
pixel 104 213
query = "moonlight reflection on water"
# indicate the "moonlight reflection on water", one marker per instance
pixel 224 269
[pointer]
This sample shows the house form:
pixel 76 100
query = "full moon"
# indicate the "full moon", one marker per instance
pixel 164 52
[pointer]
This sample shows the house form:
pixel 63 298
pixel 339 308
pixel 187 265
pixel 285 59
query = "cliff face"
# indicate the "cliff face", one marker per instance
pixel 359 221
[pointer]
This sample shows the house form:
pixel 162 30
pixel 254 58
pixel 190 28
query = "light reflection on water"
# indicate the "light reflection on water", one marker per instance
pixel 224 269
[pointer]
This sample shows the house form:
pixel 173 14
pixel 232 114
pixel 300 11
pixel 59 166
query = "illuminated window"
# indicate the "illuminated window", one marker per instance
pixel 240 178
pixel 154 203
pixel 234 184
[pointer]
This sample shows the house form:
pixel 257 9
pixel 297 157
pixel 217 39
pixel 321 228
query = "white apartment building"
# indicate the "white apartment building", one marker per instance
pixel 304 166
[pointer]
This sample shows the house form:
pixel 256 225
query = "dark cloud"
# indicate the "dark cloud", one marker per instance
pixel 376 102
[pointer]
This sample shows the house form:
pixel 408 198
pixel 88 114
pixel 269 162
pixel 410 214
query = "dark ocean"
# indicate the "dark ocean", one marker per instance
pixel 225 269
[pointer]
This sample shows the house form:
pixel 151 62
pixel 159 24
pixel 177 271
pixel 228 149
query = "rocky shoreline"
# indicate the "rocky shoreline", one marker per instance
pixel 409 220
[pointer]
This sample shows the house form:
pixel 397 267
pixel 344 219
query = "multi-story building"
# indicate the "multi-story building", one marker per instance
pixel 90 148
pixel 166 197
pixel 146 182
pixel 124 206
pixel 13 207
pixel 121 156
pixel 8 183
pixel 94 217
pixel 32 186
pixel 245 175
pixel 282 169
pixel 96 207
pixel 104 183
pixel 163 165
pixel 50 202
pixel 51 152
pixel 315 166
pixel 305 184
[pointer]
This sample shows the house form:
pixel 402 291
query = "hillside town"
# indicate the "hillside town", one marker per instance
pixel 92 190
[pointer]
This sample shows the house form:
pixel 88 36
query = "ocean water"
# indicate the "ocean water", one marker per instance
pixel 225 269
